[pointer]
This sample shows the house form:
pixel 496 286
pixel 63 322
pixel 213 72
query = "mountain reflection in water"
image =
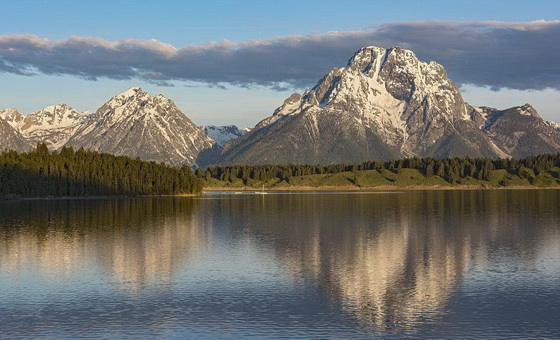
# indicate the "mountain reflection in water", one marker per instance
pixel 299 265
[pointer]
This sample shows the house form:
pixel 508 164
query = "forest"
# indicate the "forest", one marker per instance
pixel 541 170
pixel 70 173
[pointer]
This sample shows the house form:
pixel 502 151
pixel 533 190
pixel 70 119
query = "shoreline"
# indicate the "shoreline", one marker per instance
pixel 383 188
pixel 9 199
pixel 295 189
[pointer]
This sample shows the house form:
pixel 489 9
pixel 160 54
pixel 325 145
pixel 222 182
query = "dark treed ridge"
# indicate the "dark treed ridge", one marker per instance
pixel 452 170
pixel 40 173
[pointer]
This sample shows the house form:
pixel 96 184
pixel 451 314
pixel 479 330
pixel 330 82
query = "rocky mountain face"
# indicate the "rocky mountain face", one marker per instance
pixel 53 125
pixel 223 134
pixel 519 131
pixel 385 104
pixel 12 139
pixel 136 124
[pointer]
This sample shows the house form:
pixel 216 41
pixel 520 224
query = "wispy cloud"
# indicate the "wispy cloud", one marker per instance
pixel 485 53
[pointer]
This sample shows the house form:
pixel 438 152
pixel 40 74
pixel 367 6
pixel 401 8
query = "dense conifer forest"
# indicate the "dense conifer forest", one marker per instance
pixel 542 170
pixel 71 173
pixel 41 173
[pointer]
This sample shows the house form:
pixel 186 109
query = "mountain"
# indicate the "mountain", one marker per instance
pixel 11 116
pixel 388 104
pixel 223 134
pixel 53 125
pixel 554 125
pixel 519 131
pixel 136 124
pixel 385 104
pixel 12 139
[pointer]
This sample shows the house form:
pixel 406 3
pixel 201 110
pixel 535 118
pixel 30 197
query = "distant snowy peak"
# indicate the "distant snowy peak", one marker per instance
pixel 52 125
pixel 554 125
pixel 11 116
pixel 223 134
pixel 56 116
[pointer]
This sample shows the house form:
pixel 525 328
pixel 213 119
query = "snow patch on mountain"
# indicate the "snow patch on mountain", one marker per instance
pixel 554 125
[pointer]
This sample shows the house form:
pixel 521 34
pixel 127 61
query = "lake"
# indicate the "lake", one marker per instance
pixel 444 264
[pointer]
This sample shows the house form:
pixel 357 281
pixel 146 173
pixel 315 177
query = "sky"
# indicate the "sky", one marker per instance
pixel 234 62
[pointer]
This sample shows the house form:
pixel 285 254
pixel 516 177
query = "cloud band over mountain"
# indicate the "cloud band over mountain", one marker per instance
pixel 484 53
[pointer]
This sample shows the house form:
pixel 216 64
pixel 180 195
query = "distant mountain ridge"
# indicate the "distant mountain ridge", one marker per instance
pixel 385 104
pixel 53 125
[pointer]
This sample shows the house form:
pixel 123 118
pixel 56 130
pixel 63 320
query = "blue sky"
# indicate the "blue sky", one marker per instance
pixel 247 26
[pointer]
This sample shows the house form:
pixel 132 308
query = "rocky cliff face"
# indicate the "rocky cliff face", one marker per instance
pixel 136 124
pixel 385 104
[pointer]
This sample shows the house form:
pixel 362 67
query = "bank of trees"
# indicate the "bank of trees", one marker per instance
pixel 452 170
pixel 41 173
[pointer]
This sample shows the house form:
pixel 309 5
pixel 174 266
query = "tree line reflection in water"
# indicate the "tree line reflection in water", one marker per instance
pixel 135 241
pixel 387 259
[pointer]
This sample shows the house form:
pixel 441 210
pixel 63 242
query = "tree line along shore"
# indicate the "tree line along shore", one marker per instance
pixel 80 173
pixel 70 173
pixel 539 171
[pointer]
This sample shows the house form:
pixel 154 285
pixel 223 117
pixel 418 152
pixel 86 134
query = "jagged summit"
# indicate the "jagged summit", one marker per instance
pixel 136 124
pixel 60 115
pixel 11 116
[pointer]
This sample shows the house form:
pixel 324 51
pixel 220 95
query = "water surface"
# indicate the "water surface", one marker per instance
pixel 327 265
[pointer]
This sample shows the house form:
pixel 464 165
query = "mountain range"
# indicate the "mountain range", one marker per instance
pixel 385 104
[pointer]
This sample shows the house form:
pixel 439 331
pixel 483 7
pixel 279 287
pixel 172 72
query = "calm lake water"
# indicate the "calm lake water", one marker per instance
pixel 295 265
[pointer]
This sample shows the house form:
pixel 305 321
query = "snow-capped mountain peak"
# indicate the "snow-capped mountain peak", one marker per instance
pixel 55 116
pixel 11 116
pixel 136 124
pixel 386 103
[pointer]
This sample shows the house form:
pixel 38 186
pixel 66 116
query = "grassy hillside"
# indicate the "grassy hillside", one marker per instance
pixel 365 179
